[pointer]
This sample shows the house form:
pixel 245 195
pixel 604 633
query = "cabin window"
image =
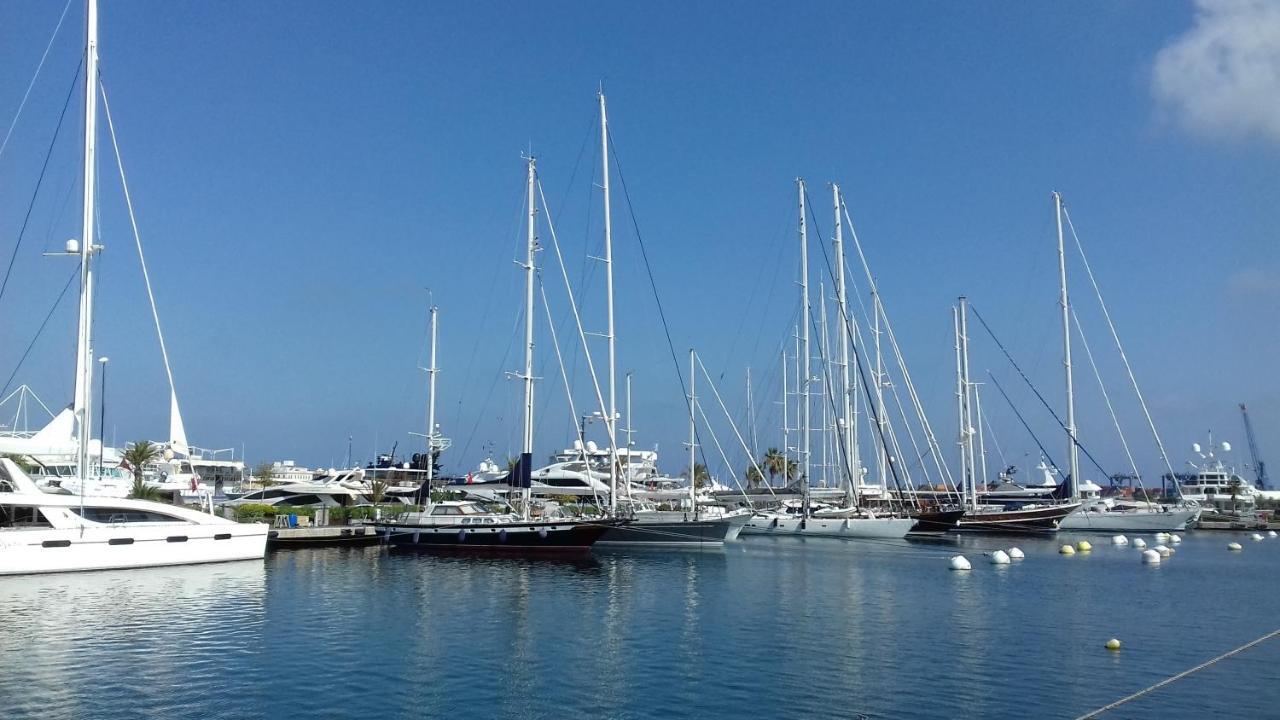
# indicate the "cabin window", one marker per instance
pixel 56 543
pixel 222 536
pixel 122 515
pixel 12 516
pixel 176 538
pixel 120 541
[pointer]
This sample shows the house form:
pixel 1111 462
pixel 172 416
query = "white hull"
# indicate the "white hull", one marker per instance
pixel 1140 520
pixel 851 528
pixel 73 549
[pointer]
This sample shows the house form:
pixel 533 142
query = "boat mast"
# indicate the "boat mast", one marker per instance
pixel 966 388
pixel 84 349
pixel 786 432
pixel 693 438
pixel 824 348
pixel 1073 453
pixel 751 417
pixel 964 463
pixel 846 420
pixel 804 342
pixel 526 450
pixel 610 422
pixel 883 462
pixel 431 408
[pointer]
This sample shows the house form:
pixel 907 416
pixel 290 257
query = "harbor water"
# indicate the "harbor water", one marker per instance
pixel 767 627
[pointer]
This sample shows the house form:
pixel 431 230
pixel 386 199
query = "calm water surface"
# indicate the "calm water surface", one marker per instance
pixel 766 628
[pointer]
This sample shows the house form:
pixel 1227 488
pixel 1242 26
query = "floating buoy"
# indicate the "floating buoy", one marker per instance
pixel 1235 547
pixel 999 557
pixel 1016 554
pixel 1162 537
pixel 1119 540
pixel 1113 644
pixel 1150 557
pixel 960 562
pixel 1257 536
pixel 1139 543
pixel 1067 550
pixel 1271 533
pixel 1084 546
pixel 1164 550
pixel 1175 539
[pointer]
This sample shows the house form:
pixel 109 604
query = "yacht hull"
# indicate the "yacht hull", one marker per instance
pixel 1142 520
pixel 675 532
pixel 934 522
pixel 120 547
pixel 500 537
pixel 849 528
pixel 1036 521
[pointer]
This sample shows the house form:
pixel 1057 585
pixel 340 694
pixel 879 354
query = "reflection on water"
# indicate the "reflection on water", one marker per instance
pixel 769 627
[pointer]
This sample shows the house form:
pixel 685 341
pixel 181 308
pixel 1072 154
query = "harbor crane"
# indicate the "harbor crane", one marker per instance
pixel 1259 466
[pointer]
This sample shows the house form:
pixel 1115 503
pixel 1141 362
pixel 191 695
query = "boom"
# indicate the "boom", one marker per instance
pixel 1259 466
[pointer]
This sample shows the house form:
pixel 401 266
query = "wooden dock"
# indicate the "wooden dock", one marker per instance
pixel 322 536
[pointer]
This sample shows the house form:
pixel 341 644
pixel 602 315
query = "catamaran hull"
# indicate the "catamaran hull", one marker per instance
pixel 502 537
pixel 117 548
pixel 1142 520
pixel 848 528
pixel 1036 521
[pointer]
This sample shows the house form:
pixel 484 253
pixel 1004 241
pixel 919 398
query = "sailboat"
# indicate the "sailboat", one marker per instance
pixel 1100 515
pixel 43 532
pixel 803 518
pixel 467 525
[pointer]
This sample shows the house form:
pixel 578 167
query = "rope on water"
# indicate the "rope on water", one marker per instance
pixel 1179 676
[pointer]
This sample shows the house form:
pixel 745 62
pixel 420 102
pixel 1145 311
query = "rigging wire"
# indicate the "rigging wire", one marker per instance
pixel 32 84
pixel 1021 419
pixel 1035 390
pixel 74 274
pixel 44 167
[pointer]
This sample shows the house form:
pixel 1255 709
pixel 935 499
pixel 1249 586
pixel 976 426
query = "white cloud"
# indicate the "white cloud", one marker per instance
pixel 1222 77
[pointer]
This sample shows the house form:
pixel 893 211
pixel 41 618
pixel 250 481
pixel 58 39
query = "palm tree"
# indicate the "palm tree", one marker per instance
pixel 700 474
pixel 793 469
pixel 754 478
pixel 138 455
pixel 774 463
pixel 377 491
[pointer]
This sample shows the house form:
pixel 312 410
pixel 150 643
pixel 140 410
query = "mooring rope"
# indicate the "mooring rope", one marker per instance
pixel 1179 676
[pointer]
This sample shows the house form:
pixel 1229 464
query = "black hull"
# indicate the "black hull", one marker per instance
pixel 935 522
pixel 1038 521
pixel 506 537
pixel 669 534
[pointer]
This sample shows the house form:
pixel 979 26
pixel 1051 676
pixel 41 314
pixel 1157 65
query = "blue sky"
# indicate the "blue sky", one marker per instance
pixel 302 172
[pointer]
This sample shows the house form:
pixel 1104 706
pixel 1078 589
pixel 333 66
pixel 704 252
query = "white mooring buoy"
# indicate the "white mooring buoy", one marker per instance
pixel 1257 536
pixel 1016 554
pixel 1119 540
pixel 1164 550
pixel 1139 543
pixel 960 562
pixel 1067 550
pixel 999 557
pixel 1150 557
pixel 1235 547
pixel 1175 539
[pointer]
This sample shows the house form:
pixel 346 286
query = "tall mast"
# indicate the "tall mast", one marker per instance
pixel 693 438
pixel 84 333
pixel 824 349
pixel 431 407
pixel 848 428
pixel 629 429
pixel 804 342
pixel 883 463
pixel 786 421
pixel 966 389
pixel 751 417
pixel 526 449
pixel 610 422
pixel 960 424
pixel 1073 453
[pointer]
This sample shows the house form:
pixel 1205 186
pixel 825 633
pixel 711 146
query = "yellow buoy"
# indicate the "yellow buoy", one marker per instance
pixel 1084 546
pixel 1067 550
pixel 1113 644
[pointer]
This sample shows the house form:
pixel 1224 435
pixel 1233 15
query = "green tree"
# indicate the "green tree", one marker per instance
pixel 700 474
pixel 139 455
pixel 377 491
pixel 775 463
pixel 754 478
pixel 264 472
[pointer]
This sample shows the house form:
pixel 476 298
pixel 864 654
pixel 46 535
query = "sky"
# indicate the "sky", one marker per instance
pixel 309 178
